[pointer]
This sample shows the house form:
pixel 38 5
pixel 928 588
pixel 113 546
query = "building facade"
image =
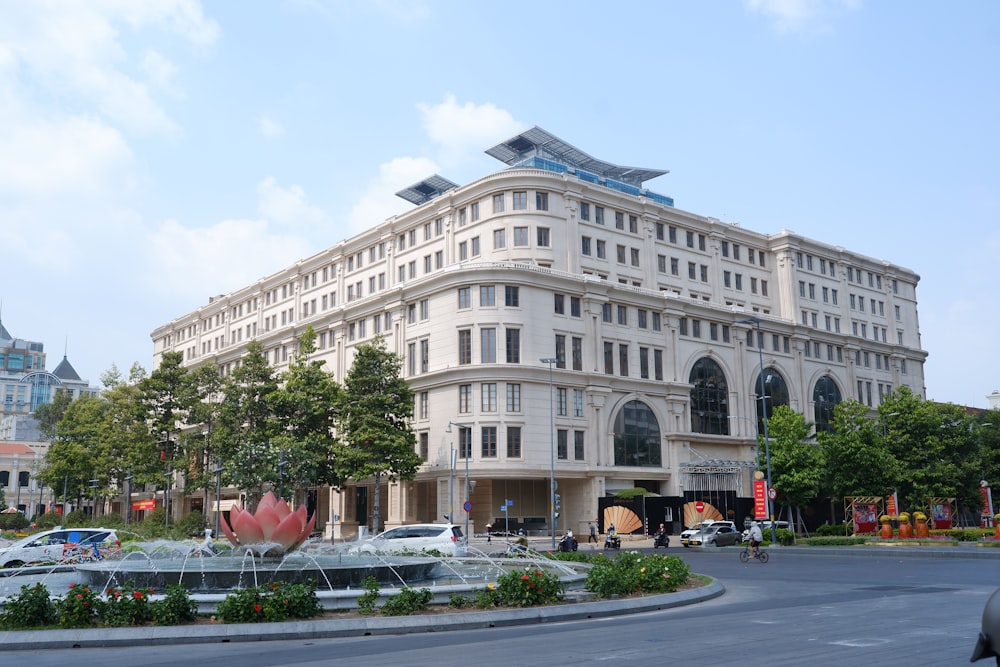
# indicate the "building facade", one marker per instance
pixel 654 325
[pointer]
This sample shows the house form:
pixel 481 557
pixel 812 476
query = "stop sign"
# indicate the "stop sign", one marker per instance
pixel 700 506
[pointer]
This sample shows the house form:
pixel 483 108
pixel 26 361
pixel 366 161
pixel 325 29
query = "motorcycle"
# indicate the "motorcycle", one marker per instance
pixel 612 542
pixel 567 543
pixel 661 540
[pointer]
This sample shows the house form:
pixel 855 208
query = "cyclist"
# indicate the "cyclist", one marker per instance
pixel 756 537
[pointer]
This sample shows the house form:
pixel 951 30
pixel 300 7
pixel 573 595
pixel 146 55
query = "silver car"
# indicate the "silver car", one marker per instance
pixel 720 535
pixel 445 538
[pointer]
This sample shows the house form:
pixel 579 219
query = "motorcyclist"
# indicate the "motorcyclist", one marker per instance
pixel 612 536
pixel 660 537
pixel 568 542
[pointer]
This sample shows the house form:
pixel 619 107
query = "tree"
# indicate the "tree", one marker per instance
pixel 247 424
pixel 207 386
pixel 306 406
pixel 71 460
pixel 48 414
pixel 375 437
pixel 858 462
pixel 796 465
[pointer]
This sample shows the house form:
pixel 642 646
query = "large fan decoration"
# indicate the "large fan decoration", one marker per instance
pixel 625 520
pixel 692 516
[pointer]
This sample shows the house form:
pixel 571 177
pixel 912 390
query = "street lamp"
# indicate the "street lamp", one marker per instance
pixel 451 479
pixel 128 497
pixel 763 420
pixel 218 494
pixel 93 511
pixel 552 455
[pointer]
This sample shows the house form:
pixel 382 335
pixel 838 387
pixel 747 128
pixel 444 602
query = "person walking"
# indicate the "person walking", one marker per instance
pixel 489 533
pixel 593 533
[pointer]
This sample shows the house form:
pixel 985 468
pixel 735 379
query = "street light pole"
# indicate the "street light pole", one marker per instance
pixel 552 455
pixel 218 495
pixel 763 420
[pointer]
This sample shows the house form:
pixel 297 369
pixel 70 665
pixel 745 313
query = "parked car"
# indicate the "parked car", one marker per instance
pixel 718 534
pixel 62 545
pixel 445 538
pixel 685 536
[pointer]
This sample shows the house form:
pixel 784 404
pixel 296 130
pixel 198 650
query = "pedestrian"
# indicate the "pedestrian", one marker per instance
pixel 593 533
pixel 489 533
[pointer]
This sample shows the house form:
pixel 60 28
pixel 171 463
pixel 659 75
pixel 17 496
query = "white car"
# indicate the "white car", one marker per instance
pixel 692 533
pixel 62 545
pixel 445 538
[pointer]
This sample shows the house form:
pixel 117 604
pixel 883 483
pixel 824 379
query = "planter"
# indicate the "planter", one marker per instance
pixel 886 531
pixel 922 529
pixel 905 530
pixel 996 531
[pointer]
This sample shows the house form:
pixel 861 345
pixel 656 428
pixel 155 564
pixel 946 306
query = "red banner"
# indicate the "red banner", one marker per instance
pixel 144 504
pixel 759 499
pixel 941 516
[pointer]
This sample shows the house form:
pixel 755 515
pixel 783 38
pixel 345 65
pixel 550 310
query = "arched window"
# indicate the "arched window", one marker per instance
pixel 775 393
pixel 709 398
pixel 826 395
pixel 637 436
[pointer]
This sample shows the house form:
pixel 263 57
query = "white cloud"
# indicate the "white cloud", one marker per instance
pixel 287 205
pixel 466 129
pixel 798 15
pixel 379 200
pixel 226 256
pixel 270 128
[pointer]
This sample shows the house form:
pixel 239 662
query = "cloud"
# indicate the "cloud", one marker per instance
pixel 379 200
pixel 223 257
pixel 287 206
pixel 799 15
pixel 461 130
pixel 270 128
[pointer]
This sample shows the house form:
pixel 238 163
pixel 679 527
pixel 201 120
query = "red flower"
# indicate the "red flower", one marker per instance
pixel 72 586
pixel 137 595
pixel 257 608
pixel 79 596
pixel 525 577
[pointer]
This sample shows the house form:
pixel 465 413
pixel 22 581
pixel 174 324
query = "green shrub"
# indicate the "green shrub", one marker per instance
pixel 76 519
pixel 127 606
pixel 175 608
pixel 834 541
pixel 458 601
pixel 275 602
pixel 406 602
pixel 32 608
pixel 634 573
pixel 369 599
pixel 80 607
pixel 487 598
pixel 192 524
pixel 832 529
pixel 13 521
pixel 786 538
pixel 48 520
pixel 529 587
pixel 294 600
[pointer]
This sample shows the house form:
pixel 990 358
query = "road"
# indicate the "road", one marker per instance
pixel 798 609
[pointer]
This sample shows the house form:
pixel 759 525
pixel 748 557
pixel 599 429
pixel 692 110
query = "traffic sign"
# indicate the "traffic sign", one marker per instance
pixel 467 506
pixel 700 506
pixel 771 493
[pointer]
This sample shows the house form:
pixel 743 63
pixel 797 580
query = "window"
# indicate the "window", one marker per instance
pixel 559 304
pixel 512 296
pixel 541 201
pixel 623 359
pixel 658 364
pixel 584 211
pixel 464 297
pixel 488 393
pixel 633 224
pixel 499 239
pixel 489 444
pixel 424 309
pixel 561 401
pixel 520 236
pixel 513 397
pixel 513 442
pixel 623 315
pixel 560 351
pixel 578 402
pixel 644 363
pixel 585 245
pixel 465 346
pixel 689 239
pixel 578 449
pixel 463 250
pixel 635 256
pixel 636 436
pixel 609 358
pixel 424 445
pixel 543 237
pixel 488 345
pixel 577 352
pixel 561 444
pixel 621 254
pixel 498 203
pixel 513 346
pixel 473 211
pixel 606 312
pixel 574 306
pixel 487 296
pixel 675 266
pixel 520 201
pixel 424 355
pixel 464 398
pixel 601 249
pixel 599 215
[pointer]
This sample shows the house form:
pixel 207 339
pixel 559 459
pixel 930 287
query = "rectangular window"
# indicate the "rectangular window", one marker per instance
pixel 599 215
pixel 560 351
pixel 513 442
pixel 658 364
pixel 488 345
pixel 465 346
pixel 425 355
pixel 559 304
pixel 499 239
pixel 543 237
pixel 644 363
pixel 498 203
pixel 541 201
pixel 561 444
pixel 513 346
pixel 463 251
pixel 464 298
pixel 606 312
pixel 609 358
pixel 641 316
pixel 585 245
pixel 487 296
pixel 513 397
pixel 634 256
pixel 574 306
pixel 584 211
pixel 512 296
pixel 489 445
pixel 633 224
pixel 561 397
pixel 623 359
pixel 619 220
pixel 621 254
pixel 577 344
pixel 578 449
pixel 464 399
pixel 578 402
pixel 601 249
pixel 488 395
pixel 623 315
pixel 520 236
pixel 424 403
pixel 474 211
pixel 520 201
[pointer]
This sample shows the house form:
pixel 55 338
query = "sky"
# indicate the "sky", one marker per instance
pixel 154 154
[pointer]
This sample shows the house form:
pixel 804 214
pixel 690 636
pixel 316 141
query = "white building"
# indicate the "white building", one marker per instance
pixel 640 303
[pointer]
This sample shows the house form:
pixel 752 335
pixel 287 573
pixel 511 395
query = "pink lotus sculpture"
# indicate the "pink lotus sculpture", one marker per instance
pixel 273 522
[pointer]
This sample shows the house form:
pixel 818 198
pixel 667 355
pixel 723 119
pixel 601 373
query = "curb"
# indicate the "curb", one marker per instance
pixel 21 640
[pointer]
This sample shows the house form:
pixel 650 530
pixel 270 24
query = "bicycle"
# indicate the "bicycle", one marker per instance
pixel 761 555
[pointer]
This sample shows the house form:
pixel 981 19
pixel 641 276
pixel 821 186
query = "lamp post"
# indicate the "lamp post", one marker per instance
pixel 93 511
pixel 552 455
pixel 763 420
pixel 466 452
pixel 128 497
pixel 218 494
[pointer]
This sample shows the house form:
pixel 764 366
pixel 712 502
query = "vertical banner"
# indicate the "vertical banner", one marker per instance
pixel 985 505
pixel 890 505
pixel 941 515
pixel 864 517
pixel 759 499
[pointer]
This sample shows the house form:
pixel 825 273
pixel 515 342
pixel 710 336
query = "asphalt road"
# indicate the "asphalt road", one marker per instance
pixel 799 609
